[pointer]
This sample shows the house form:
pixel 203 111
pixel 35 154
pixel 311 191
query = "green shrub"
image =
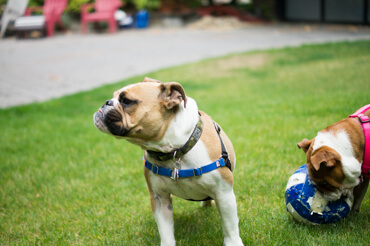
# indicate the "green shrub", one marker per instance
pixel 75 5
pixel 36 3
pixel 146 4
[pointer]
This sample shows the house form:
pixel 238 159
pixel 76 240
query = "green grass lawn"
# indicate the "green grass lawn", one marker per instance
pixel 63 182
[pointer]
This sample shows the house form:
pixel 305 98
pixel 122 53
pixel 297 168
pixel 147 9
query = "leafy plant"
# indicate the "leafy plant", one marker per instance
pixel 146 4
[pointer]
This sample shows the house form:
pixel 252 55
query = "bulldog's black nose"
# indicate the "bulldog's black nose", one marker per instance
pixel 109 103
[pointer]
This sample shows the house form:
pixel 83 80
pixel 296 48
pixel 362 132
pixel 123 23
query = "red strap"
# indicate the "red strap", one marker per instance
pixel 365 122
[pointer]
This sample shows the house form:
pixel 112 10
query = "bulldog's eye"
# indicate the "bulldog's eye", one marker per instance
pixel 125 101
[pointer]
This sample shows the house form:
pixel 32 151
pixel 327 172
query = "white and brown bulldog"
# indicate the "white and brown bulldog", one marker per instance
pixel 183 149
pixel 335 158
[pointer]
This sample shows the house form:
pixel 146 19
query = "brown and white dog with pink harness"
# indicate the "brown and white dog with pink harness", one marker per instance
pixel 338 158
pixel 186 152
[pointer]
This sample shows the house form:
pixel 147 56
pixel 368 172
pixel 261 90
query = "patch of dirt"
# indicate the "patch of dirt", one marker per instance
pixel 218 23
pixel 254 61
pixel 225 67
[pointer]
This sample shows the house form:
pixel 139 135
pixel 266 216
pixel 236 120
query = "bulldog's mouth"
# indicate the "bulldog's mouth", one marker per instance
pixel 336 194
pixel 99 122
pixel 333 196
pixel 109 122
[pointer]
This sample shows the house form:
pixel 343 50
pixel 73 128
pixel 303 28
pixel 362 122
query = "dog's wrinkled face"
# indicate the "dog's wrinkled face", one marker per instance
pixel 140 112
pixel 325 169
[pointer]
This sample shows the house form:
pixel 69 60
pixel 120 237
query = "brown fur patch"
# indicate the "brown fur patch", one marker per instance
pixel 212 142
pixel 325 168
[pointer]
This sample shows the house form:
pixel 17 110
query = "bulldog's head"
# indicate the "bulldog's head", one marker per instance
pixel 140 112
pixel 334 173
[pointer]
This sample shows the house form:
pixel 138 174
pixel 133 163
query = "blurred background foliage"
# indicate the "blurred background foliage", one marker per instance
pixel 74 6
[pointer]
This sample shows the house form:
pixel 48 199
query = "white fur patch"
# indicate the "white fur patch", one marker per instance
pixel 179 130
pixel 340 142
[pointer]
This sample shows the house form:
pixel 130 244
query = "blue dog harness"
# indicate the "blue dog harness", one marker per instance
pixel 175 173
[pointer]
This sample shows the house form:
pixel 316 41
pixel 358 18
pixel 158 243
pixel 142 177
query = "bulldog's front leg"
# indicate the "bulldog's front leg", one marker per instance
pixel 359 194
pixel 163 214
pixel 226 205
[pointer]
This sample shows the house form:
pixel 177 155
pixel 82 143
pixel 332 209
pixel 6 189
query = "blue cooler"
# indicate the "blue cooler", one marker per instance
pixel 142 19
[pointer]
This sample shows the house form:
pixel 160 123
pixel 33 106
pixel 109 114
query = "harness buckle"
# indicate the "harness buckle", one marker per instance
pixel 175 174
pixel 197 172
pixel 363 119
pixel 154 166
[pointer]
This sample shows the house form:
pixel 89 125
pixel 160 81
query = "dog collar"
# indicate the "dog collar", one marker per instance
pixel 176 154
pixel 184 173
pixel 365 123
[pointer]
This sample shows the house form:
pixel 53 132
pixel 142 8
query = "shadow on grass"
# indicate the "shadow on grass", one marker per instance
pixel 197 225
pixel 194 225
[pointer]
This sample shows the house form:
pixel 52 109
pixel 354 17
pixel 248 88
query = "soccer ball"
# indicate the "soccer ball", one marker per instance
pixel 307 204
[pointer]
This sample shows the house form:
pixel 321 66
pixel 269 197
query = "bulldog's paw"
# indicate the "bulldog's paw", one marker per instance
pixel 237 241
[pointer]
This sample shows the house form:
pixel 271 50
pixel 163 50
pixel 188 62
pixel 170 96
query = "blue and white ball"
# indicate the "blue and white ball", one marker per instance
pixel 307 204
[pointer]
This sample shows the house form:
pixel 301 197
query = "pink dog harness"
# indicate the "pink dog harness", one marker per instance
pixel 365 123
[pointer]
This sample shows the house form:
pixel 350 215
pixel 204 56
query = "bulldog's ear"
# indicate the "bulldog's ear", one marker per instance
pixel 146 79
pixel 173 94
pixel 324 158
pixel 304 144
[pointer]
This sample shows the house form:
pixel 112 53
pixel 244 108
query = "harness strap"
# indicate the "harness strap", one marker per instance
pixel 365 123
pixel 224 154
pixel 175 173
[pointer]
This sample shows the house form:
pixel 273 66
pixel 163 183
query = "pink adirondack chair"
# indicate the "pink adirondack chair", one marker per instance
pixel 104 11
pixel 52 10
